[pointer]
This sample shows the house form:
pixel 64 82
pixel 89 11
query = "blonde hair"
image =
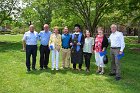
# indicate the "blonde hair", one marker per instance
pixel 100 28
pixel 56 27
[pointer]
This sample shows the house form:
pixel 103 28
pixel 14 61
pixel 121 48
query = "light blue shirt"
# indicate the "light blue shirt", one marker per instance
pixel 44 37
pixel 30 38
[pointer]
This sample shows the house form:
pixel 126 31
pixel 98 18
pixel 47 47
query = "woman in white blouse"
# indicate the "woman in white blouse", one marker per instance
pixel 87 49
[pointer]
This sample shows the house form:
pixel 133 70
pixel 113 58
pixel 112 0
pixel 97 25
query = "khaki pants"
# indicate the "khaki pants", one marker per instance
pixel 115 63
pixel 65 57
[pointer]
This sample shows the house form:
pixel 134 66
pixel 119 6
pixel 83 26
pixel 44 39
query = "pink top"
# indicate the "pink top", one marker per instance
pixel 98 43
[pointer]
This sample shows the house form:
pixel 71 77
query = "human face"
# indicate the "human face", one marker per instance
pixel 77 29
pixel 113 28
pixel 56 31
pixel 87 34
pixel 65 30
pixel 46 27
pixel 100 32
pixel 31 28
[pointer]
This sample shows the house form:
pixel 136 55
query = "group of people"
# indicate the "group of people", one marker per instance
pixel 75 48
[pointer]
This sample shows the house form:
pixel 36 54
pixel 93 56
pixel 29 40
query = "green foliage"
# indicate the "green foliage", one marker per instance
pixel 8 8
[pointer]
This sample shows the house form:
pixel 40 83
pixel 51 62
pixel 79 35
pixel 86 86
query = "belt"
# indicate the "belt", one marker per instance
pixel 31 45
pixel 44 45
pixel 115 47
pixel 65 47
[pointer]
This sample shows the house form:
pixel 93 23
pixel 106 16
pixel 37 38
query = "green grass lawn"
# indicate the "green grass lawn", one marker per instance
pixel 14 79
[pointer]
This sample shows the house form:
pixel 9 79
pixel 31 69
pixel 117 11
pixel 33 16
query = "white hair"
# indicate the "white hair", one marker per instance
pixel 113 25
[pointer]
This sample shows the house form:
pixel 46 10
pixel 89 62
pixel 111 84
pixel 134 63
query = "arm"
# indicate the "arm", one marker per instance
pixel 82 41
pixel 23 45
pixel 24 42
pixel 105 43
pixel 39 36
pixel 122 42
pixel 60 41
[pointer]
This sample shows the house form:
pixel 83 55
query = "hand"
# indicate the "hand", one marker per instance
pixel 120 52
pixel 58 48
pixel 71 44
pixel 78 43
pixel 93 51
pixel 23 49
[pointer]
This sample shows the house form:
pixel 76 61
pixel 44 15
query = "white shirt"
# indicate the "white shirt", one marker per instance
pixel 117 40
pixel 89 42
pixel 30 38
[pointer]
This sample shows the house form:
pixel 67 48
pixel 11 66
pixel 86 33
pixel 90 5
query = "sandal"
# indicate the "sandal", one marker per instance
pixel 98 71
pixel 101 73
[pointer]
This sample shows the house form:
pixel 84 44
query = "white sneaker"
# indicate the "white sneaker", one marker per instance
pixel 57 69
pixel 52 68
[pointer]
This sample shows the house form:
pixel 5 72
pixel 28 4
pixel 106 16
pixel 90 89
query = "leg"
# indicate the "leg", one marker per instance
pixel 68 58
pixel 28 55
pixel 41 56
pixel 88 60
pixel 47 53
pixel 63 57
pixel 74 66
pixel 117 63
pixel 113 66
pixel 80 66
pixel 57 60
pixel 53 59
pixel 34 54
pixel 85 56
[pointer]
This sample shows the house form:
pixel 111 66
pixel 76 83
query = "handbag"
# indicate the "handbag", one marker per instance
pixel 105 59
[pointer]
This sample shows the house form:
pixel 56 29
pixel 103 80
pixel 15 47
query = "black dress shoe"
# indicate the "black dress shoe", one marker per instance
pixel 112 74
pixel 28 70
pixel 117 78
pixel 34 69
pixel 46 67
pixel 41 69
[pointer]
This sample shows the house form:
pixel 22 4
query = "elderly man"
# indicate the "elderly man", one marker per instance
pixel 30 43
pixel 117 46
pixel 44 37
pixel 66 48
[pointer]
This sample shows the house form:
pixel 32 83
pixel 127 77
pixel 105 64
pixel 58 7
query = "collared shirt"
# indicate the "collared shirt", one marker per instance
pixel 30 38
pixel 66 40
pixel 89 42
pixel 117 40
pixel 44 37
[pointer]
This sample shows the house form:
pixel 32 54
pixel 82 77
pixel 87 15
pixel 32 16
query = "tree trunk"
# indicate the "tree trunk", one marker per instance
pixel 139 32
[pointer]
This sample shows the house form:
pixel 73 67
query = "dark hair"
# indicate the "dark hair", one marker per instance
pixel 77 25
pixel 86 32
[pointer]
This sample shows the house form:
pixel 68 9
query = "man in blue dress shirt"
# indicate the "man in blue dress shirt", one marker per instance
pixel 30 45
pixel 66 48
pixel 44 37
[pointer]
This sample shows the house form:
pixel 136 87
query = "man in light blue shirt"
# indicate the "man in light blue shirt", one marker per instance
pixel 44 37
pixel 30 43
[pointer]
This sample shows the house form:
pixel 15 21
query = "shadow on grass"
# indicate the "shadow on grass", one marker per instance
pixel 61 71
pixel 10 46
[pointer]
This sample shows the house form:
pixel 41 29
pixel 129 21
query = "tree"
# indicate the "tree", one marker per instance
pixel 134 6
pixel 38 11
pixel 90 12
pixel 8 8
